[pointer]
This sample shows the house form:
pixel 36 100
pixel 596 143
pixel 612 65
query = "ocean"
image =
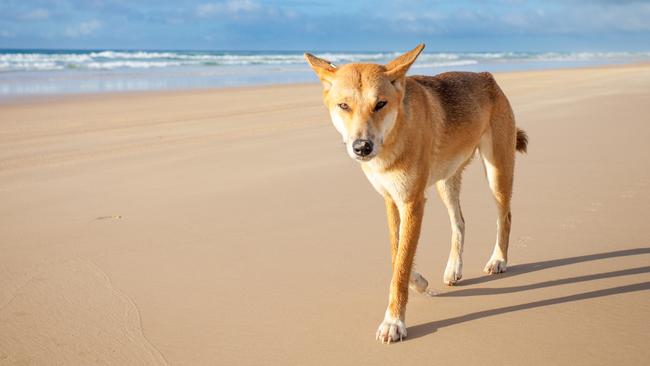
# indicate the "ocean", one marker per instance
pixel 46 72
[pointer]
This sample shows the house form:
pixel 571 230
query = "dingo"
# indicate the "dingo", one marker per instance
pixel 412 132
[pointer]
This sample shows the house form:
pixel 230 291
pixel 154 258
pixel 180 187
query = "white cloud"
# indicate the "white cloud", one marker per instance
pixel 623 17
pixel 232 7
pixel 557 17
pixel 83 29
pixel 36 14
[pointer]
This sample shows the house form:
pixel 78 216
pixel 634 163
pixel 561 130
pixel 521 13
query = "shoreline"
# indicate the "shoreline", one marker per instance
pixel 35 97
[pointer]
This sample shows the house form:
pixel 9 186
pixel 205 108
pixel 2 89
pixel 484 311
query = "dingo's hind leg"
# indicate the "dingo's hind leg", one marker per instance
pixel 497 149
pixel 449 192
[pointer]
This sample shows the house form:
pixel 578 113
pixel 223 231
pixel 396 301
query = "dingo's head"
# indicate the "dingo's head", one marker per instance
pixel 364 100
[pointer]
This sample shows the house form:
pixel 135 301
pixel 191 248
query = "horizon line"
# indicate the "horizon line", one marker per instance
pixel 290 50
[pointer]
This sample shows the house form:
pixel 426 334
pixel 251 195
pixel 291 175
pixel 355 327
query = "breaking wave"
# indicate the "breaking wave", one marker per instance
pixel 25 60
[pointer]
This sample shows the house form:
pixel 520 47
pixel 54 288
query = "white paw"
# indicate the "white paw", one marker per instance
pixel 391 330
pixel 418 283
pixel 453 272
pixel 495 265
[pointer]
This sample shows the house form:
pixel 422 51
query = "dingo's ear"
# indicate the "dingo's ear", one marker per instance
pixel 397 68
pixel 323 68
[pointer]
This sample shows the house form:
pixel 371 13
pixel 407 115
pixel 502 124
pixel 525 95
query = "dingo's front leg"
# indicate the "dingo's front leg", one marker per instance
pixel 393 327
pixel 417 282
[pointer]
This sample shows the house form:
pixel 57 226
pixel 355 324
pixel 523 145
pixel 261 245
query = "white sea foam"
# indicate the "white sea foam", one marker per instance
pixel 445 64
pixel 111 60
pixel 29 66
pixel 132 55
pixel 129 64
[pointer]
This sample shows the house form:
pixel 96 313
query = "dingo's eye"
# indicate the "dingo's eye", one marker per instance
pixel 344 106
pixel 380 105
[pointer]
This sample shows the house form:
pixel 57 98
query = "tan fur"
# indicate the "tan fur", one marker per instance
pixel 425 135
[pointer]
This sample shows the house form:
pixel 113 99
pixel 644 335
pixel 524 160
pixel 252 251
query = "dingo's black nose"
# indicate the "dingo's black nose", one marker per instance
pixel 362 147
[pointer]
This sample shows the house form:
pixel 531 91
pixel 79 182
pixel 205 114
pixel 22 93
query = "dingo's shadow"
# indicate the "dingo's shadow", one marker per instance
pixel 538 266
pixel 427 328
pixel 431 327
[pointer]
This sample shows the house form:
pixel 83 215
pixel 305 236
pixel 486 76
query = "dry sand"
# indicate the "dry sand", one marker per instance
pixel 228 227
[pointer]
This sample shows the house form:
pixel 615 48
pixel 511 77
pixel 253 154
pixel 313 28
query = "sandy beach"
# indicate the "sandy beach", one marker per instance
pixel 229 227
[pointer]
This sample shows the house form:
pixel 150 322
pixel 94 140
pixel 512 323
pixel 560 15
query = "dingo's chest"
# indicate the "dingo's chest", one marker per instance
pixel 394 183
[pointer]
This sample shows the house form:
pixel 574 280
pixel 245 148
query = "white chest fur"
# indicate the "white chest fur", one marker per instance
pixel 393 183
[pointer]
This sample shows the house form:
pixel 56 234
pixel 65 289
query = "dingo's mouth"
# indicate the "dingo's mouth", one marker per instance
pixel 363 159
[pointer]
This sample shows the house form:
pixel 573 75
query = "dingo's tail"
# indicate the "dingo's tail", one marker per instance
pixel 522 141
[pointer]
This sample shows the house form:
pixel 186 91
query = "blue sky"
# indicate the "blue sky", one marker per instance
pixel 461 25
